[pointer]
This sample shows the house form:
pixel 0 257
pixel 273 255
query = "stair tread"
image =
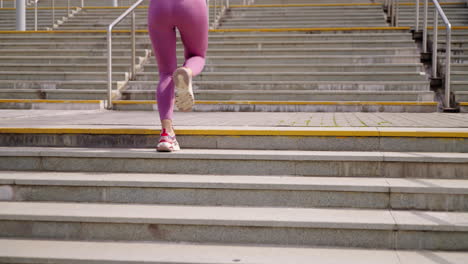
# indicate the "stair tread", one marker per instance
pixel 223 154
pixel 145 180
pixel 160 252
pixel 373 219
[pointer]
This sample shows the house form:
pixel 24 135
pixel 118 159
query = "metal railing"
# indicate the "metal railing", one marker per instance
pixel 219 7
pixel 392 7
pixel 129 11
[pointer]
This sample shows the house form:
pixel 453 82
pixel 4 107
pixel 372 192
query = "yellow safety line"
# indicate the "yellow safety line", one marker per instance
pixel 211 30
pixel 142 102
pixel 240 132
pixel 40 8
pixel 307 29
pixel 464 103
pixel 421 4
pixel 49 101
pixel 304 5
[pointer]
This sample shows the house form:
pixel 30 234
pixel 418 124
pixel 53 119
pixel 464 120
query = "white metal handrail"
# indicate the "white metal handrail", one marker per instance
pixel 392 6
pixel 129 11
pixel 220 6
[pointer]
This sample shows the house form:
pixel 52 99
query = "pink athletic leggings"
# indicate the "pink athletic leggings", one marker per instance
pixel 190 17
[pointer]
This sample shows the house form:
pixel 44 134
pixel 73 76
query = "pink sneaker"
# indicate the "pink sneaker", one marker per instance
pixel 167 143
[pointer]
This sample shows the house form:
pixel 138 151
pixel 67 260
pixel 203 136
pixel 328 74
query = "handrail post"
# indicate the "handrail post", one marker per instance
pixel 53 13
pixel 397 13
pixel 448 64
pixel 109 68
pixel 133 46
pixel 208 11
pixel 131 10
pixel 35 15
pixel 1 3
pixel 416 24
pixel 68 7
pixel 82 3
pixel 435 38
pixel 425 27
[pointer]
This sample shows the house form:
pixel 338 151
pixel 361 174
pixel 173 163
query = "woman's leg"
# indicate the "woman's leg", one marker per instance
pixel 163 37
pixel 192 22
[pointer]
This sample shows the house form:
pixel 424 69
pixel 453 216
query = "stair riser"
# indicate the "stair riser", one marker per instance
pixel 236 234
pixel 238 197
pixel 216 37
pixel 289 108
pixel 321 25
pixel 90 53
pixel 239 167
pixel 295 68
pixel 230 60
pixel 273 77
pixel 311 86
pixel 62 77
pixel 254 46
pixel 295 97
pixel 212 52
pixel 397 144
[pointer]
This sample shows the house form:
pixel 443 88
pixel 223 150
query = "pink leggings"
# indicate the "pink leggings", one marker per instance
pixel 190 17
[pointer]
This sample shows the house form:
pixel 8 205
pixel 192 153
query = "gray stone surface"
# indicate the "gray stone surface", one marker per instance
pixel 62 252
pixel 142 119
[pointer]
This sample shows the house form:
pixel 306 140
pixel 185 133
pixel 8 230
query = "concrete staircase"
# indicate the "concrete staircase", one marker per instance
pixel 281 194
pixel 458 16
pixel 321 70
pixel 97 192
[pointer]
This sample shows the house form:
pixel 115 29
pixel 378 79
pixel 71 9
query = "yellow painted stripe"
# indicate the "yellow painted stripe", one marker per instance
pixel 307 29
pixel 304 5
pixel 240 132
pixel 40 8
pixel 464 103
pixel 453 28
pixel 421 4
pixel 143 102
pixel 211 30
pixel 50 101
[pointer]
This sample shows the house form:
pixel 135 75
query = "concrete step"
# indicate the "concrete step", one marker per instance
pixel 65 252
pixel 52 85
pixel 208 224
pixel 214 36
pixel 98 93
pixel 238 162
pixel 417 67
pixel 266 106
pixel 70 52
pixel 220 44
pixel 225 106
pixel 461 96
pixel 267 138
pixel 268 87
pixel 459 76
pixel 294 95
pixel 61 67
pixel 321 25
pixel 64 59
pixel 218 52
pixel 221 60
pixel 221 190
pixel 60 76
pixel 282 76
pixel 459 85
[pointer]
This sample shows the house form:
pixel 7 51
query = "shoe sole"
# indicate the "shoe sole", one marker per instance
pixel 184 98
pixel 167 147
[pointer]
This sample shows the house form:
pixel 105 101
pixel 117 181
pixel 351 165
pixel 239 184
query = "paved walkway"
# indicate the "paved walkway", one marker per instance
pixel 148 119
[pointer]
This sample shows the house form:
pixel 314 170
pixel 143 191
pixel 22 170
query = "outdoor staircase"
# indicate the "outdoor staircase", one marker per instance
pixel 294 186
